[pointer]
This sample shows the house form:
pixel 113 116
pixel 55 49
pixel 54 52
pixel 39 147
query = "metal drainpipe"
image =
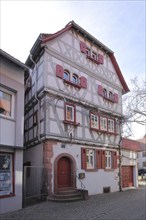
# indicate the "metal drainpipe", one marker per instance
pixel 120 161
pixel 38 101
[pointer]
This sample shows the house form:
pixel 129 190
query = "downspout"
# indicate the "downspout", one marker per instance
pixel 38 100
pixel 120 159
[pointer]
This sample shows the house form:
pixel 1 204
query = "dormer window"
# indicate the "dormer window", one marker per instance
pixel 75 79
pixel 104 93
pixel 66 75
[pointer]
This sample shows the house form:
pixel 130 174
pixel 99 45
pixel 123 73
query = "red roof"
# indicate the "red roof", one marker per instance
pixel 129 144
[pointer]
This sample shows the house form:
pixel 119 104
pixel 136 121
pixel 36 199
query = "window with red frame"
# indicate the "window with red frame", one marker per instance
pixel 103 123
pixel 94 121
pixel 75 78
pixel 70 113
pixel 66 75
pixel 6 174
pixel 111 125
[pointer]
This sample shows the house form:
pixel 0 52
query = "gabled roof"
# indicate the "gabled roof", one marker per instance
pixel 13 59
pixel 134 145
pixel 44 38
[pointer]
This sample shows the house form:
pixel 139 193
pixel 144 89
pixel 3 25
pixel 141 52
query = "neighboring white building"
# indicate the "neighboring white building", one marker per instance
pixel 11 131
pixel 73 105
pixel 142 154
pixel 129 162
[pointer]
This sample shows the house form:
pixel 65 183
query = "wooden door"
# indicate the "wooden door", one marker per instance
pixel 127 176
pixel 64 172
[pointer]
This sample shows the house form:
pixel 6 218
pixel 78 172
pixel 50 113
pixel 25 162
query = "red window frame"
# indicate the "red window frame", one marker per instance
pixel 74 113
pixel 113 132
pixel 104 117
pixel 94 128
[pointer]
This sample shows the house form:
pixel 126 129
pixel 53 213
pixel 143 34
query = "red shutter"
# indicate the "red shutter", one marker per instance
pixel 114 160
pixel 100 59
pixel 100 90
pixel 116 98
pixel 83 82
pixel 103 159
pixel 98 159
pixel 59 71
pixel 83 158
pixel 83 47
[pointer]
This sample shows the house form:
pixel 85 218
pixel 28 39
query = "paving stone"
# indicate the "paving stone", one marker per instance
pixel 127 205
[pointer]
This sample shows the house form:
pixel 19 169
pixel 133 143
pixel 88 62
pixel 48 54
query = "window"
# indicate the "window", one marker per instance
pixel 75 79
pixel 94 121
pixel 94 55
pixel 66 75
pixel 103 123
pixel 87 52
pixel 144 154
pixel 5 103
pixel 144 164
pixel 35 118
pixel 90 159
pixel 108 160
pixel 6 174
pixel 105 93
pixel 111 125
pixel 70 113
pixel 110 95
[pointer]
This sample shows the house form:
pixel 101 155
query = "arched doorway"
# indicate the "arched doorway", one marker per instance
pixel 64 172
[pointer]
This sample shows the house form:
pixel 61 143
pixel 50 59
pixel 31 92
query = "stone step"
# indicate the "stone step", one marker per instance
pixel 66 196
pixel 73 199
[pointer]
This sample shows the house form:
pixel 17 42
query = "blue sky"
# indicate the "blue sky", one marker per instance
pixel 120 25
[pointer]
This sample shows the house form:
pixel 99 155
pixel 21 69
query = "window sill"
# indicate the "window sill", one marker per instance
pixel 72 84
pixel 109 169
pixel 71 123
pixel 91 170
pixel 6 196
pixel 108 99
pixel 107 132
pixel 93 59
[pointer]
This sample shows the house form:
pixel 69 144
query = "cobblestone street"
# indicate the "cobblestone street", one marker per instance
pixel 126 205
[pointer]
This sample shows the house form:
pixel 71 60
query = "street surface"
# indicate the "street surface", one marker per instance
pixel 126 205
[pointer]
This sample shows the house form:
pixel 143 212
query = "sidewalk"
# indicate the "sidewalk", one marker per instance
pixel 126 205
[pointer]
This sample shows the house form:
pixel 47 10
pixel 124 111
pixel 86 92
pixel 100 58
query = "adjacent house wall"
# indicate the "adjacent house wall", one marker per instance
pixel 11 131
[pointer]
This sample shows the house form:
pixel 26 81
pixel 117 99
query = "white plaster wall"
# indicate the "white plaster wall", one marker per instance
pixel 13 203
pixel 35 155
pixel 12 77
pixel 65 51
pixel 7 131
pixel 94 181
pixel 129 158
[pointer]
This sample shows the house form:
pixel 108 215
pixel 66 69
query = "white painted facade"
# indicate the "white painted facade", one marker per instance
pixel 11 132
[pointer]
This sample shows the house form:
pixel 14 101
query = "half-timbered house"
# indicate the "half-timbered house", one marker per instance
pixel 73 107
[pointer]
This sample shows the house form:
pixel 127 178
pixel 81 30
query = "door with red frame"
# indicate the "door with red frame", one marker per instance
pixel 64 172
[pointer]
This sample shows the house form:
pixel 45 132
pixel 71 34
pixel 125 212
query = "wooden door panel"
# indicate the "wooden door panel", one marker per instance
pixel 64 172
pixel 127 176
